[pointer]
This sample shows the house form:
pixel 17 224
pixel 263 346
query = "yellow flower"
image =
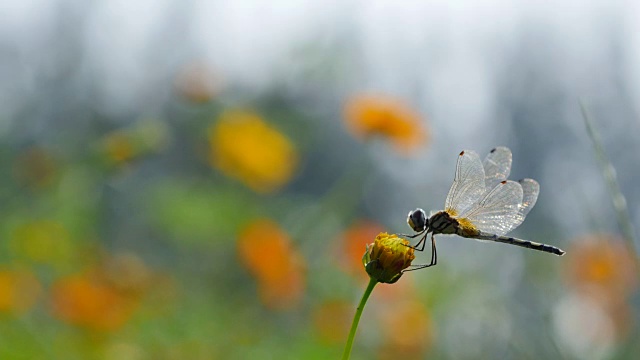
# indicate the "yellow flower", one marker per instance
pixel 43 241
pixel 144 137
pixel 386 257
pixel 245 147
pixel 367 116
pixel 384 261
pixel 19 290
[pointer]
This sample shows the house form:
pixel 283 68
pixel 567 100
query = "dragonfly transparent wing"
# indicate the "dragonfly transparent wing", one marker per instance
pixel 468 184
pixel 497 166
pixel 530 191
pixel 499 211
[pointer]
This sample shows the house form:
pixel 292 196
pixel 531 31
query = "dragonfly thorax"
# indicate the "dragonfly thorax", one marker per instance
pixel 417 220
pixel 443 223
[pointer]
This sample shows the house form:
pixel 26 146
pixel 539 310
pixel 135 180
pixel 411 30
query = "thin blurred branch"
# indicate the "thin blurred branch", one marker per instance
pixel 609 173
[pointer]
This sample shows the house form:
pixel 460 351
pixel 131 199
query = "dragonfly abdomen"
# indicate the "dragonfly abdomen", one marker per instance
pixel 519 242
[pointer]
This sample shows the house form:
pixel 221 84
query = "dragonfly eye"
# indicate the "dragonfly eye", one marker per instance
pixel 417 220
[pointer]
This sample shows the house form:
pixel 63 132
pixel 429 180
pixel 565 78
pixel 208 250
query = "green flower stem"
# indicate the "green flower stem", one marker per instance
pixel 356 319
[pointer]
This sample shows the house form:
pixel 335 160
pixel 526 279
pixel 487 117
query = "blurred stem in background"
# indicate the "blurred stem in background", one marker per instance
pixel 609 173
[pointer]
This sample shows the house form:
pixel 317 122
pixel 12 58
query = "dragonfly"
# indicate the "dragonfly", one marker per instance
pixel 482 204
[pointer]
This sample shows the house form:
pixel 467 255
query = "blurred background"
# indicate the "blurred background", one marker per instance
pixel 198 179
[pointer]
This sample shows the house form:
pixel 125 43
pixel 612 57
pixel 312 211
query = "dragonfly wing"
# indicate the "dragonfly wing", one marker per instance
pixel 468 184
pixel 530 191
pixel 499 211
pixel 497 166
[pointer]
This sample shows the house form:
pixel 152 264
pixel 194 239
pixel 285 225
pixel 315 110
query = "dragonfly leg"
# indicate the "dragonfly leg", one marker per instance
pixel 434 251
pixel 434 255
pixel 412 236
pixel 421 242
pixel 420 245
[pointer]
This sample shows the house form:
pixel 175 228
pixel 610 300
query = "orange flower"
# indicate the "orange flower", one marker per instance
pixel 331 320
pixel 84 301
pixel 352 243
pixel 119 147
pixel 602 271
pixel 19 290
pixel 268 254
pixel 103 298
pixel 35 167
pixel 245 147
pixel 408 330
pixel 603 266
pixel 367 116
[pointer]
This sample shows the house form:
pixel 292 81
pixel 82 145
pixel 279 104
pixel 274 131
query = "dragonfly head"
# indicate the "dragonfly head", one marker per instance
pixel 417 220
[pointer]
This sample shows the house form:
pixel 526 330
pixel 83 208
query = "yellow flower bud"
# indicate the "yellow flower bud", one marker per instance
pixel 386 257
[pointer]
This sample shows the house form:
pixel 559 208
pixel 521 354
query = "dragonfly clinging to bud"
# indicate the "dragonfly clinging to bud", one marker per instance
pixel 482 204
